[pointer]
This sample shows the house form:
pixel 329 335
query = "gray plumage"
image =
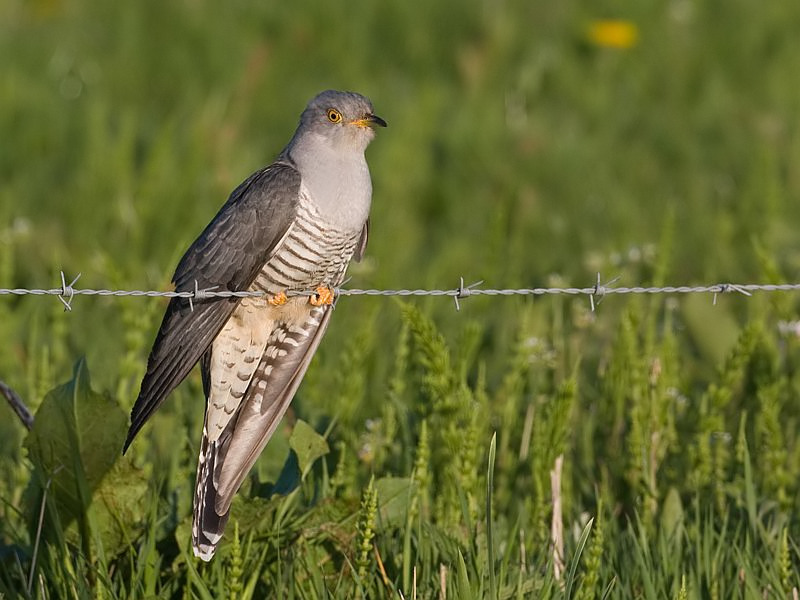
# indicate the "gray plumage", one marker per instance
pixel 294 225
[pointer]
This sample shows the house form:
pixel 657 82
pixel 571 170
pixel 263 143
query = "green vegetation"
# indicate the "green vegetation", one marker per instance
pixel 420 455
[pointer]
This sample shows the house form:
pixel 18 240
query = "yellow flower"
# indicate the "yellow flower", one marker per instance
pixel 613 33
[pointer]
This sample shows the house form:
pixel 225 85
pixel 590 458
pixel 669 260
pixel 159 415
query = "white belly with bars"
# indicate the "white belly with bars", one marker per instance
pixel 312 253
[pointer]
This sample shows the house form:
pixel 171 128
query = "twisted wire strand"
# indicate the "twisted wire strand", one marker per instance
pixel 67 291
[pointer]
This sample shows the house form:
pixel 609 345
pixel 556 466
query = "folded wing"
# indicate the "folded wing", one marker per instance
pixel 227 256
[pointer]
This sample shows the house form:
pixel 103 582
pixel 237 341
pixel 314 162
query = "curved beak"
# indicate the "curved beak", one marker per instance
pixel 369 120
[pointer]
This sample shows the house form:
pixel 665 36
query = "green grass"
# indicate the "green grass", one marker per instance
pixel 418 453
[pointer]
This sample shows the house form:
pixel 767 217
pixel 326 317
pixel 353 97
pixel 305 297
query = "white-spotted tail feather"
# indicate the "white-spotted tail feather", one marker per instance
pixel 207 525
pixel 224 463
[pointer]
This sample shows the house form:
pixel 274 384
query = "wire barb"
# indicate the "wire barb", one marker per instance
pixel 464 291
pixel 724 288
pixel 67 292
pixel 600 291
pixel 595 292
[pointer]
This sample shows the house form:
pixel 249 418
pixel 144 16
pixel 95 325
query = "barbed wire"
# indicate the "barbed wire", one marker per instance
pixel 67 292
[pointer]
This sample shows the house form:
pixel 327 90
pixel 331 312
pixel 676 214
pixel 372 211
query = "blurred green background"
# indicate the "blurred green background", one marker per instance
pixel 517 149
pixel 529 144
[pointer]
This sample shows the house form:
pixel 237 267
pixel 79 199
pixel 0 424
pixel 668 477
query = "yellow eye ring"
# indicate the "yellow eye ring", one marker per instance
pixel 334 116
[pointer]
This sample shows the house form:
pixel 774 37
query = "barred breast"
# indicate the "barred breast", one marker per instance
pixel 314 252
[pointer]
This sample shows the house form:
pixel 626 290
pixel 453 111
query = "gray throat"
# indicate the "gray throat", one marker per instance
pixel 337 180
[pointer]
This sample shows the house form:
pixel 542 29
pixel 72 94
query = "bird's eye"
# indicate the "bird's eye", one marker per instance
pixel 334 116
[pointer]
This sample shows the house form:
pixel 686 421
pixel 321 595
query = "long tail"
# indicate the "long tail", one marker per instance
pixel 224 463
pixel 207 525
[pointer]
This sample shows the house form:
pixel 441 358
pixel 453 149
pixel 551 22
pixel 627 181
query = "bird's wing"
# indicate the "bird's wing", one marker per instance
pixel 225 461
pixel 361 247
pixel 227 256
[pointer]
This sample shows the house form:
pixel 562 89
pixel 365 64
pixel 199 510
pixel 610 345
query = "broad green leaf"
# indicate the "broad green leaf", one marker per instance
pixel 76 438
pixel 308 445
pixel 75 445
pixel 394 495
pixel 671 513
pixel 118 506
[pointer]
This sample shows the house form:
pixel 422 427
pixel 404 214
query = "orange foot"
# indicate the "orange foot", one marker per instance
pixel 323 296
pixel 278 299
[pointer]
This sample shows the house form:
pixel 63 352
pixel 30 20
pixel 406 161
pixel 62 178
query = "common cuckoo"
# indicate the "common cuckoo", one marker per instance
pixel 294 225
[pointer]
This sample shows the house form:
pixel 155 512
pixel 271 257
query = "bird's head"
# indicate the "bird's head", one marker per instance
pixel 343 119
